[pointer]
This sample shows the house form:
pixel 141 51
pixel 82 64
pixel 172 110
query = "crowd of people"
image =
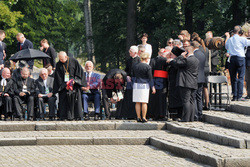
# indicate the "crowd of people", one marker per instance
pixel 175 81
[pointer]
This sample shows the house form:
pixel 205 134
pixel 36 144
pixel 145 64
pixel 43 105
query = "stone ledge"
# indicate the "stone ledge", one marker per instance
pixel 13 126
pixel 239 109
pixel 207 135
pixel 17 141
pixel 186 152
pixel 229 123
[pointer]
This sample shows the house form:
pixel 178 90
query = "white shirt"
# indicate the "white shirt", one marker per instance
pixel 3 82
pixel 45 83
pixel 236 45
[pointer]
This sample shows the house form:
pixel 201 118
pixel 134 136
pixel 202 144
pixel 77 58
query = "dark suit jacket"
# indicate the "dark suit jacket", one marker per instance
pixel 187 71
pixel 2 48
pixel 95 81
pixel 26 45
pixel 202 59
pixel 40 87
pixel 52 60
pixel 18 86
pixel 9 88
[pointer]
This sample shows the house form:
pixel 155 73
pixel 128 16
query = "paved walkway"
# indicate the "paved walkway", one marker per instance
pixel 76 155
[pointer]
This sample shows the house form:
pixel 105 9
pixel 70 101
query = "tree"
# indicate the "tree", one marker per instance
pixel 88 27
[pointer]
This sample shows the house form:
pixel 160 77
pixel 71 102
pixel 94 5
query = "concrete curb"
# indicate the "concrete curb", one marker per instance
pixel 186 152
pixel 239 109
pixel 74 141
pixel 229 123
pixel 207 135
pixel 80 126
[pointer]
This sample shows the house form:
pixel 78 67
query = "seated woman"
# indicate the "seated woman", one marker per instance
pixel 142 78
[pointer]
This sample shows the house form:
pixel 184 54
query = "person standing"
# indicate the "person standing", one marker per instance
pixel 158 101
pixel 142 83
pixel 247 76
pixel 201 80
pixel 91 92
pixel 128 109
pixel 46 48
pixel 187 65
pixel 235 46
pixel 69 78
pixel 148 47
pixel 2 49
pixel 22 44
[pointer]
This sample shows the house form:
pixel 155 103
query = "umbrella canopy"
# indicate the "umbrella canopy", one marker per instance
pixel 28 54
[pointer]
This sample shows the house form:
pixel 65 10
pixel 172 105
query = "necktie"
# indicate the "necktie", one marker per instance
pixel 88 78
pixel 21 46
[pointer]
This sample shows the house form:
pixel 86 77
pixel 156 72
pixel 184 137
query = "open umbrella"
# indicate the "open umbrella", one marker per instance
pixel 28 54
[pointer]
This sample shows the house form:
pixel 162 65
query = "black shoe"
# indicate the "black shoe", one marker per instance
pixel 86 117
pixel 21 118
pixel 51 118
pixel 241 99
pixel 144 120
pixel 247 97
pixel 139 120
pixel 96 117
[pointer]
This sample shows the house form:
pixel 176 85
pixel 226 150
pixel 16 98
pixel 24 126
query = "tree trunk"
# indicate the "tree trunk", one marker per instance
pixel 89 33
pixel 188 16
pixel 131 25
pixel 237 13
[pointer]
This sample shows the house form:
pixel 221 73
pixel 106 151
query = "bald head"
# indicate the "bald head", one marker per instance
pixel 62 56
pixel 25 73
pixel 237 29
pixel 6 73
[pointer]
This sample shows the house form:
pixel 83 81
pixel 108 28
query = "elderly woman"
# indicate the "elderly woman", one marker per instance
pixel 143 78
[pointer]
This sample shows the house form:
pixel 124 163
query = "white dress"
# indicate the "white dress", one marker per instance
pixel 141 92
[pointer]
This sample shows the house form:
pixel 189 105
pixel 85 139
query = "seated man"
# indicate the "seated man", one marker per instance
pixel 91 92
pixel 113 85
pixel 44 87
pixel 6 93
pixel 24 89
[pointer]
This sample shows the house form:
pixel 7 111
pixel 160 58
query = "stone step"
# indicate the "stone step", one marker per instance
pixel 240 107
pixel 185 146
pixel 210 132
pixel 79 125
pixel 202 151
pixel 228 119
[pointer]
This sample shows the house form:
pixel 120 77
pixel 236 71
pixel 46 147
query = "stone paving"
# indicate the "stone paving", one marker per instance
pixel 229 115
pixel 103 155
pixel 215 128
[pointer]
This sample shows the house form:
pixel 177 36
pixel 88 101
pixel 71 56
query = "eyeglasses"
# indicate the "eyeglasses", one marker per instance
pixel 170 42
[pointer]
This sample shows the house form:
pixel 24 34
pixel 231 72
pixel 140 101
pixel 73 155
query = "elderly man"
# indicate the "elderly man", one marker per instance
pixel 44 87
pixel 128 107
pixel 91 92
pixel 69 78
pixel 22 44
pixel 235 46
pixel 24 89
pixel 6 93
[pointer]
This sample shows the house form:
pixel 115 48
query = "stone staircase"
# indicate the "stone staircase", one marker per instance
pixel 222 140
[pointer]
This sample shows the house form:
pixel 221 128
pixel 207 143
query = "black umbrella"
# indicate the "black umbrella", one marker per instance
pixel 28 54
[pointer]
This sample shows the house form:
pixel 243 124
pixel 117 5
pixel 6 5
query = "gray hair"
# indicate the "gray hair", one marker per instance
pixel 177 42
pixel 43 69
pixel 89 62
pixel 134 49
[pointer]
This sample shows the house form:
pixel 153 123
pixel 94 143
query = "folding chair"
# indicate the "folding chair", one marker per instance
pixel 216 82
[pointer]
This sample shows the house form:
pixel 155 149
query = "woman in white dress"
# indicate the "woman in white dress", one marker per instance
pixel 143 80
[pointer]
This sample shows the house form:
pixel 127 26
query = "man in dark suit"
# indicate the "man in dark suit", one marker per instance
pixel 91 92
pixel 187 65
pixel 24 43
pixel 24 89
pixel 6 93
pixel 201 80
pixel 2 49
pixel 44 87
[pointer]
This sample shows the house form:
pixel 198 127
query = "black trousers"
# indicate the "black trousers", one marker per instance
pixel 187 97
pixel 19 100
pixel 51 102
pixel 198 101
pixel 6 105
